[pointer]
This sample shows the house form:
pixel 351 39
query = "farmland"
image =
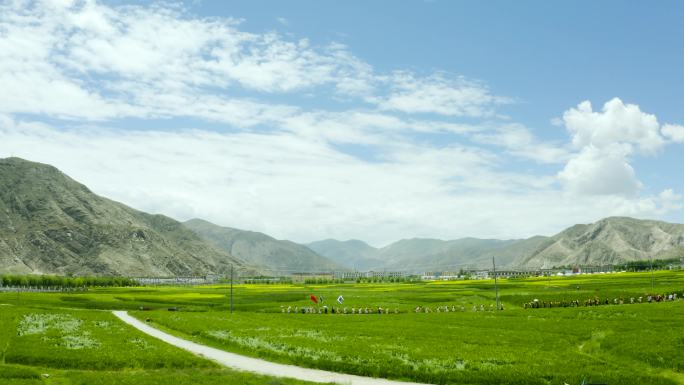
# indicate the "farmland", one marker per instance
pixel 40 345
pixel 612 344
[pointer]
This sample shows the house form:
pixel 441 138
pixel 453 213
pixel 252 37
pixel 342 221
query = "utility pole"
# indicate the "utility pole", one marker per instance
pixel 496 285
pixel 231 289
pixel 652 275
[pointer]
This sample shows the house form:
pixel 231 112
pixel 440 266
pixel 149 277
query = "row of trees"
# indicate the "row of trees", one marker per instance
pixel 63 282
pixel 643 265
pixel 328 281
pixel 363 280
pixel 266 281
pixel 408 279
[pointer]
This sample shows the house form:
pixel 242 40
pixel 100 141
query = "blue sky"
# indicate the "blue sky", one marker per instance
pixel 550 55
pixel 372 120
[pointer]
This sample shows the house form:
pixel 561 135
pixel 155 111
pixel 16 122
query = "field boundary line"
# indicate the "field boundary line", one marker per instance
pixel 255 365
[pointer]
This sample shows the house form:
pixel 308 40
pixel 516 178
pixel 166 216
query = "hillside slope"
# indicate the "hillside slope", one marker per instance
pixel 353 254
pixel 423 254
pixel 608 241
pixel 51 224
pixel 280 257
pixel 435 254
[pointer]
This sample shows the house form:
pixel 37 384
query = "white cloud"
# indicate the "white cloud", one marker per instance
pixel 600 171
pixel 669 201
pixel 606 141
pixel 673 132
pixel 439 94
pixel 297 187
pixel 616 123
pixel 285 184
pixel 521 142
pixel 86 60
pixel 92 61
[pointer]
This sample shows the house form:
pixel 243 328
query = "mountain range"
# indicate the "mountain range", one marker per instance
pixel 608 241
pixel 425 254
pixel 275 257
pixel 51 224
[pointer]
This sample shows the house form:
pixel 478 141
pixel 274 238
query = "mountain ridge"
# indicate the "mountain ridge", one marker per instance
pixel 352 253
pixel 279 256
pixel 51 224
pixel 610 240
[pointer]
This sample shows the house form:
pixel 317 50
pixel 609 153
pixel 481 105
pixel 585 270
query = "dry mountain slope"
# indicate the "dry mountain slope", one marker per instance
pixel 425 254
pixel 51 224
pixel 435 254
pixel 279 257
pixel 353 254
pixel 608 241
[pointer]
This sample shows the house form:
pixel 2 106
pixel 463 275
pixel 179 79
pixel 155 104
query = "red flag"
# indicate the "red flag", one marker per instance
pixel 313 298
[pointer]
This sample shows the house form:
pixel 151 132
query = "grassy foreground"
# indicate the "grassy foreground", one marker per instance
pixel 86 347
pixel 610 344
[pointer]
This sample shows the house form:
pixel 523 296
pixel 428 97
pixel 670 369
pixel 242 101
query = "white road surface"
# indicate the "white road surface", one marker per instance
pixel 255 365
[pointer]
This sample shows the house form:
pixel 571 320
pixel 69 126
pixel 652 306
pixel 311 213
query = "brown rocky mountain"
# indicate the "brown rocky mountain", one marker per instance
pixel 278 257
pixel 51 224
pixel 608 241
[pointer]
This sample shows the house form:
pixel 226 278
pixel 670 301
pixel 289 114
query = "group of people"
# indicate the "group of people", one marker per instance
pixel 534 304
pixel 381 310
pixel 596 301
pixel 454 308
pixel 336 310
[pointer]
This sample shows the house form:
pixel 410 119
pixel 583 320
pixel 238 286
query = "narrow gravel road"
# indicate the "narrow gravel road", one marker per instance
pixel 255 365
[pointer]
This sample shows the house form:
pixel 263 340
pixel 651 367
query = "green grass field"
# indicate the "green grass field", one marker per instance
pixel 610 344
pixel 85 347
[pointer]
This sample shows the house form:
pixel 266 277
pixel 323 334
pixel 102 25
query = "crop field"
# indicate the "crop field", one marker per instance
pixel 72 346
pixel 639 343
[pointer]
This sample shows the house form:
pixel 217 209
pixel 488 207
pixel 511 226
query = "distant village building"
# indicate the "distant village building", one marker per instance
pixel 595 269
pixel 440 276
pixel 385 274
pixel 479 274
pixel 266 280
pixel 303 277
pixel 514 273
pixel 486 274
pixel 177 280
pixel 353 275
pixel 349 275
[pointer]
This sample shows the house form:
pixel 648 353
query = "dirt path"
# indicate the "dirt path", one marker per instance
pixel 255 365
